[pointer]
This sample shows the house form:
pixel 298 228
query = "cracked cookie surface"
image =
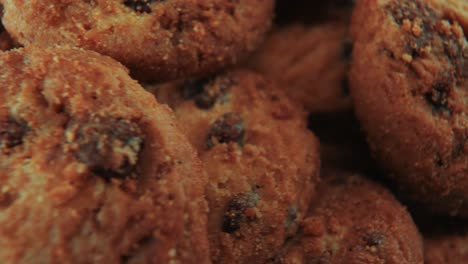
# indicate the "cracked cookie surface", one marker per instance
pixel 262 162
pixel 92 168
pixel 156 39
pixel 409 85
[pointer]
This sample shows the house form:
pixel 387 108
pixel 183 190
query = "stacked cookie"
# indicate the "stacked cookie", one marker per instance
pixel 183 131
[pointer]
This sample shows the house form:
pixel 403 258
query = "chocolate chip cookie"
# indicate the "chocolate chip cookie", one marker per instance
pixel 157 39
pixel 354 220
pixel 409 85
pixel 310 62
pixel 261 160
pixel 92 168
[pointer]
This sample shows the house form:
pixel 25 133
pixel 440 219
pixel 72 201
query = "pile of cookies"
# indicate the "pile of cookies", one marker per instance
pixel 248 131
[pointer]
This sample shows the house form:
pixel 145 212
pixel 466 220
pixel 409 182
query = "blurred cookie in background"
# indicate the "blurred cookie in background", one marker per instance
pixel 156 40
pixel 310 62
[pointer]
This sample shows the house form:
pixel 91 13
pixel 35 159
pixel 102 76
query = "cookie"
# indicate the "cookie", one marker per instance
pixel 354 220
pixel 313 64
pixel 156 39
pixel 409 85
pixel 93 169
pixel 262 162
pixel 6 42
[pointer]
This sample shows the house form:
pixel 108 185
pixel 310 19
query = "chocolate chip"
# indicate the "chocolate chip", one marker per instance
pixel 205 92
pixel 234 215
pixel 140 6
pixel 410 11
pixel 374 239
pixel 7 198
pixel 142 243
pixel 291 216
pixel 437 97
pixel 227 128
pixel 11 134
pixel 192 88
pixel 457 54
pixel 108 146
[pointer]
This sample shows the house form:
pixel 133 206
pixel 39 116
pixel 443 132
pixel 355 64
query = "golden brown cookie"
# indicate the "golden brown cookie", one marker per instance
pixel 92 168
pixel 354 220
pixel 409 85
pixel 158 39
pixel 310 62
pixel 262 162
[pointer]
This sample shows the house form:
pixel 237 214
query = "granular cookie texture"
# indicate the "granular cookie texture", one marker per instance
pixel 409 85
pixel 310 62
pixel 92 168
pixel 6 42
pixel 354 220
pixel 262 162
pixel 156 39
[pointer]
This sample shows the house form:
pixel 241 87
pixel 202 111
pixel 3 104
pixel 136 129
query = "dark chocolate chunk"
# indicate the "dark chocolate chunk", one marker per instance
pixel 437 97
pixel 11 133
pixel 108 146
pixel 227 128
pixel 234 215
pixel 140 6
pixel 205 92
pixel 374 239
pixel 291 216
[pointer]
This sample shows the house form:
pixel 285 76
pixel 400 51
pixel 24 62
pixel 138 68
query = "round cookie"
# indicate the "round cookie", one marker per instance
pixel 157 39
pixel 93 169
pixel 262 162
pixel 354 220
pixel 313 64
pixel 6 42
pixel 409 85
